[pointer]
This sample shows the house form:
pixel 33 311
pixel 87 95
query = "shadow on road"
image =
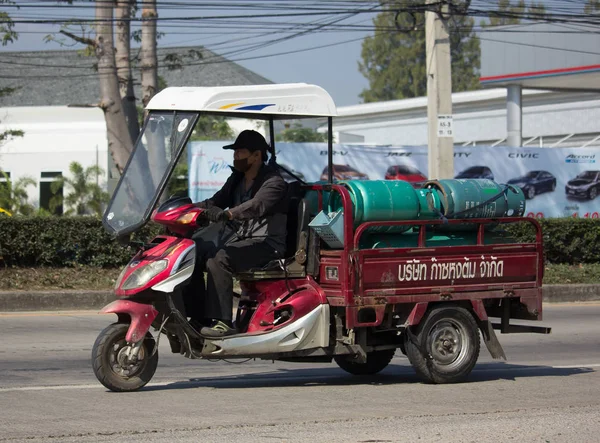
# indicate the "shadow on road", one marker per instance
pixel 393 374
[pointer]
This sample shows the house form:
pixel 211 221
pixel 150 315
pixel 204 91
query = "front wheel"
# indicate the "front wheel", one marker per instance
pixel 593 193
pixel 530 193
pixel 446 346
pixel 112 366
pixel 376 362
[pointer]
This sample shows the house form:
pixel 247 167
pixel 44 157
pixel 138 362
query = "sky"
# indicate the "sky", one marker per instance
pixel 333 67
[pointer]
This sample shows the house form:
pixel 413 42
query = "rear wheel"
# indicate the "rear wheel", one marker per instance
pixel 112 366
pixel 376 362
pixel 531 193
pixel 446 346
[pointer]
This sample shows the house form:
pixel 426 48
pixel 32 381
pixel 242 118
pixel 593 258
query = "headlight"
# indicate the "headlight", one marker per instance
pixel 143 275
pixel 120 279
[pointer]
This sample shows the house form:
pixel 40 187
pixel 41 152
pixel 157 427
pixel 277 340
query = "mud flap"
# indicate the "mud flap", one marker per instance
pixel 491 341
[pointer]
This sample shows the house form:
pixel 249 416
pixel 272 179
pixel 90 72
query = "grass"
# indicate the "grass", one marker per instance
pixel 88 278
pixel 36 279
pixel 572 274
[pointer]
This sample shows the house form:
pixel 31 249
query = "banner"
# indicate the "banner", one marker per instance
pixel 558 182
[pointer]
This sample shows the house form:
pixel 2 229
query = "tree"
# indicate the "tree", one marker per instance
pixel 120 135
pixel 508 13
pixel 211 127
pixel 124 12
pixel 300 134
pixel 394 61
pixel 592 7
pixel 14 197
pixel 119 140
pixel 7 33
pixel 8 133
pixel 86 195
pixel 149 62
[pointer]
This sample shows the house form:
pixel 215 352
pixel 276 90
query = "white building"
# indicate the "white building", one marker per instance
pixel 54 137
pixel 550 119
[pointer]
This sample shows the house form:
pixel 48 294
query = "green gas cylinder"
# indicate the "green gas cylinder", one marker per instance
pixel 465 198
pixel 379 200
pixel 410 239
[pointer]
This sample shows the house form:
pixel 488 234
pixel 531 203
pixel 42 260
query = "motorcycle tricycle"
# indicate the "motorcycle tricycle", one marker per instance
pixel 354 294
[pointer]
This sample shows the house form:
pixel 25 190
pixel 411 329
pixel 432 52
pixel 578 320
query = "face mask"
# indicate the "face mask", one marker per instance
pixel 241 165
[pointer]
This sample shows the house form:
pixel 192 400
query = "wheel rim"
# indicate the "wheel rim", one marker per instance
pixel 531 193
pixel 119 363
pixel 448 344
pixel 593 193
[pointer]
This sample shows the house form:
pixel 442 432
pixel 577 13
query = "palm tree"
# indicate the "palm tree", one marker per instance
pixel 13 196
pixel 86 195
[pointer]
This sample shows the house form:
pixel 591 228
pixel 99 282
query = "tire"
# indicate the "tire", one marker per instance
pixel 446 346
pixel 553 187
pixel 593 193
pixel 376 362
pixel 110 372
pixel 530 193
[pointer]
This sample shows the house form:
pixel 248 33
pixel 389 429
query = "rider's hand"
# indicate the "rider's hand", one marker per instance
pixel 215 214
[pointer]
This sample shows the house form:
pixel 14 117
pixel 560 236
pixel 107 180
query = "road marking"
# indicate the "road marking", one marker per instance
pixel 66 387
pixel 50 313
pixel 225 379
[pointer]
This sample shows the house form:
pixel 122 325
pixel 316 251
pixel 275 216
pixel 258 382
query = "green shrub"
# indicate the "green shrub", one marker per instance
pixel 566 240
pixel 76 241
pixel 62 241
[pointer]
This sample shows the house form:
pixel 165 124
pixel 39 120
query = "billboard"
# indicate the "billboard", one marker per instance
pixel 558 182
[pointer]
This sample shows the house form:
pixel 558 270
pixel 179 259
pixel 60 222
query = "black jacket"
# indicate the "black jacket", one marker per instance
pixel 263 216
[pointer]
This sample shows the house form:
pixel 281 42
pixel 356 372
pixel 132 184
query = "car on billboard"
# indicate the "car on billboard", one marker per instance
pixel 477 172
pixel 535 182
pixel 586 185
pixel 344 172
pixel 407 173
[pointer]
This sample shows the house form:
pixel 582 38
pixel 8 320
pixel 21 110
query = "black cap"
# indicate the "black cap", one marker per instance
pixel 252 141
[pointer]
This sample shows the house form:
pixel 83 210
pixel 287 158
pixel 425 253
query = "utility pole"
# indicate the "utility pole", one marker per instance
pixel 439 92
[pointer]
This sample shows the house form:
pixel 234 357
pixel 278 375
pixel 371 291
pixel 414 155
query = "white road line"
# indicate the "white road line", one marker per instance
pixel 66 387
pixel 171 382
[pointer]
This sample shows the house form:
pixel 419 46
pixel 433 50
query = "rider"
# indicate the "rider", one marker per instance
pixel 249 230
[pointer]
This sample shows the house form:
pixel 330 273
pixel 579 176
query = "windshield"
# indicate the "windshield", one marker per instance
pixel 532 174
pixel 408 170
pixel 589 175
pixel 152 161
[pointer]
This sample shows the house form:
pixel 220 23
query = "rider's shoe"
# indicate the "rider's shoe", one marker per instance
pixel 198 324
pixel 218 329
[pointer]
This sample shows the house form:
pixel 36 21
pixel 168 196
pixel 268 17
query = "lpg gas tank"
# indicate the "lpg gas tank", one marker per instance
pixel 380 200
pixel 478 198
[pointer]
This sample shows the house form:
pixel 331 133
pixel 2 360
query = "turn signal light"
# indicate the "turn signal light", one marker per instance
pixel 186 219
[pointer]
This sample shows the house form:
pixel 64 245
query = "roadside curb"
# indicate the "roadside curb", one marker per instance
pixel 14 301
pixel 54 300
pixel 570 293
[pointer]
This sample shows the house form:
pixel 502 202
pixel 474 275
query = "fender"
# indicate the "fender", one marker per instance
pixel 141 315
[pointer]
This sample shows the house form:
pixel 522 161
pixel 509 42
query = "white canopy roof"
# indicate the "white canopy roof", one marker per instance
pixel 278 101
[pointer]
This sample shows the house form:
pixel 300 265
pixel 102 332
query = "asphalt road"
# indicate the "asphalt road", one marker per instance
pixel 548 391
